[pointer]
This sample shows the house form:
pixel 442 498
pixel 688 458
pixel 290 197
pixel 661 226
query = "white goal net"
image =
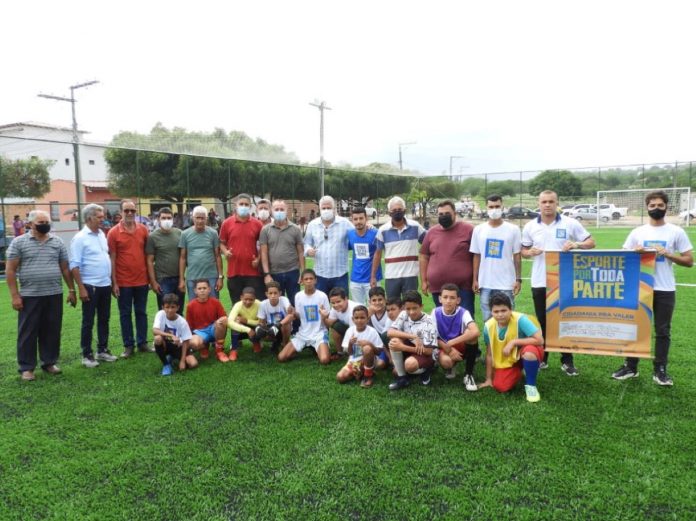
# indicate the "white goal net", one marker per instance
pixel 627 207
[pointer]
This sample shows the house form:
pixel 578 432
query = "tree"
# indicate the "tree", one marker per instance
pixel 563 182
pixel 25 177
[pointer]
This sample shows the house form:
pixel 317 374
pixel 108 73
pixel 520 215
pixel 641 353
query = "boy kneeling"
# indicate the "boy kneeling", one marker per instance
pixel 362 344
pixel 513 342
pixel 172 335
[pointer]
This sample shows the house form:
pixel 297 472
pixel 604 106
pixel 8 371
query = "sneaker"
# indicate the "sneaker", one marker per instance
pixel 256 347
pixel 127 352
pixel 451 374
pixel 569 369
pixel 89 361
pixel 543 365
pixel 470 383
pixel 222 357
pixel 399 383
pixel 28 376
pixel 274 331
pixel 366 382
pixel 260 332
pixel 661 377
pixel 532 393
pixel 167 370
pixel 425 377
pixel 106 356
pixel 145 348
pixel 624 372
pixel 52 369
pixel 233 356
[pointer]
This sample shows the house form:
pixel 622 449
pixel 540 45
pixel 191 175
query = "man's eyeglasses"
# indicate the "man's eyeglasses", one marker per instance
pixel 128 211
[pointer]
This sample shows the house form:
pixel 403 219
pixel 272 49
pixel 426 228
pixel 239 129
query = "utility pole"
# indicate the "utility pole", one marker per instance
pixel 75 141
pixel 321 105
pixel 401 161
pixel 452 158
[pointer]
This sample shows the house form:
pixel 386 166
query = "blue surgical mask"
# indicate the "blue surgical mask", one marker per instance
pixel 279 216
pixel 243 211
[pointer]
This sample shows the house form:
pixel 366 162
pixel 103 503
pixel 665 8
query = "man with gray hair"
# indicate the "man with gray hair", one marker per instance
pixel 399 240
pixel 326 241
pixel 199 255
pixel 39 258
pixel 91 269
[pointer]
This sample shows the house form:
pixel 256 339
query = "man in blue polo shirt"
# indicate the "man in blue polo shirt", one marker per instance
pixel 361 241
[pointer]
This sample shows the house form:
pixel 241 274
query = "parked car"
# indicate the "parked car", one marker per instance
pixel 691 214
pixel 519 212
pixel 590 214
pixel 614 212
pixel 371 212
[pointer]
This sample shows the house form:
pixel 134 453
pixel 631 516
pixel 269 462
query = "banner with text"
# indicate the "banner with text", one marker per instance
pixel 599 302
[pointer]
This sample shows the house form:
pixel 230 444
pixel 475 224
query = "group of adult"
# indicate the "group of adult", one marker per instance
pixel 130 261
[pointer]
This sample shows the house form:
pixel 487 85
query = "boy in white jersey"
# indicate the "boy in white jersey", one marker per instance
pixel 311 309
pixel 672 246
pixel 340 317
pixel 172 336
pixel 361 342
pixel 381 316
pixel 275 317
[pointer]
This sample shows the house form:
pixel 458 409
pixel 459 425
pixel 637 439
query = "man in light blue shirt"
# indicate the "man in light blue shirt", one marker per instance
pixel 91 269
pixel 326 241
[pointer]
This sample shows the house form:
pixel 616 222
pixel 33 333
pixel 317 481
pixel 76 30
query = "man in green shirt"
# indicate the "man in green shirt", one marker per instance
pixel 162 250
pixel 199 256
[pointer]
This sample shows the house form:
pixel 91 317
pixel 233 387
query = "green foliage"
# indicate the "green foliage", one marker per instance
pixel 25 177
pixel 509 187
pixel 563 182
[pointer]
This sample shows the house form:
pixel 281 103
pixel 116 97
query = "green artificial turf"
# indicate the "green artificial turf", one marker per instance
pixel 259 440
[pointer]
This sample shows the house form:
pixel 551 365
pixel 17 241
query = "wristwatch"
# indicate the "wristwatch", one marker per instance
pixel 221 277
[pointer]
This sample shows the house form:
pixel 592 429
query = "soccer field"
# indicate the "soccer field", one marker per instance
pixel 259 440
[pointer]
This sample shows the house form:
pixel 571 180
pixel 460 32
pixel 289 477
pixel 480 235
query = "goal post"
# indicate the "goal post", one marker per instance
pixel 627 207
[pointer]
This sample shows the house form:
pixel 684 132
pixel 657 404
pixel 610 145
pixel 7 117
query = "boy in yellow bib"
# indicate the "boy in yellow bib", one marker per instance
pixel 513 342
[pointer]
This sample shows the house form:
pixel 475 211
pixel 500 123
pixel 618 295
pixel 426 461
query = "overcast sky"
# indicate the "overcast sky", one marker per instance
pixel 509 85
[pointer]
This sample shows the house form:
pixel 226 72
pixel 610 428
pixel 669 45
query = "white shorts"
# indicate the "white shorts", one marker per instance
pixel 300 341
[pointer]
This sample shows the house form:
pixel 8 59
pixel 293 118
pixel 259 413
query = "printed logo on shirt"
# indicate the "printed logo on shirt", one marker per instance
pixel 561 233
pixel 652 244
pixel 494 248
pixel 361 251
pixel 170 330
pixel 311 313
pixel 276 317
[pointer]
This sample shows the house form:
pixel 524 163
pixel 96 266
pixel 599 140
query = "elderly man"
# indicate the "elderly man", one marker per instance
pixel 129 282
pixel 40 258
pixel 199 255
pixel 399 240
pixel 326 241
pixel 91 269
pixel 282 252
pixel 263 211
pixel 239 235
pixel 162 257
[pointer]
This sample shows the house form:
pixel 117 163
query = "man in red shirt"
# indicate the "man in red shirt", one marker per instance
pixel 129 280
pixel 239 235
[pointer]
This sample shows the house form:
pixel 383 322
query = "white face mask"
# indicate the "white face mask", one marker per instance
pixel 166 224
pixel 264 214
pixel 327 214
pixel 495 213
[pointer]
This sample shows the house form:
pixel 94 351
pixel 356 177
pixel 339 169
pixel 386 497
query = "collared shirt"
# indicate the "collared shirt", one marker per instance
pixel 282 246
pixel 331 245
pixel 550 237
pixel 400 248
pixel 89 253
pixel 129 247
pixel 39 264
pixel 240 236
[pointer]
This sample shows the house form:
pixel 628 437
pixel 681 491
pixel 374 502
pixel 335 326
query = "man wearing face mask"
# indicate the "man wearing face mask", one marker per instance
pixel 239 235
pixel 673 247
pixel 445 257
pixel 263 211
pixel 40 259
pixel 496 247
pixel 326 240
pixel 399 240
pixel 282 252
pixel 162 251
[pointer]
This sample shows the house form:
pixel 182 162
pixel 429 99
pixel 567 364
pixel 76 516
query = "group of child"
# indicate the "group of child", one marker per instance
pixel 388 332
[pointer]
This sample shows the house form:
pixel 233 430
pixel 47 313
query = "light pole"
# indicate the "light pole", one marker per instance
pixel 75 140
pixel 321 105
pixel 401 162
pixel 452 158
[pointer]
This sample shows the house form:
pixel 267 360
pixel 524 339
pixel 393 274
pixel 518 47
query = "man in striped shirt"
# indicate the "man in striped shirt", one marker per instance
pixel 399 240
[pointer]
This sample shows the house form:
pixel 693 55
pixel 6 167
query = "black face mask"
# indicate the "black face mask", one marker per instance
pixel 43 228
pixel 397 215
pixel 657 213
pixel 445 220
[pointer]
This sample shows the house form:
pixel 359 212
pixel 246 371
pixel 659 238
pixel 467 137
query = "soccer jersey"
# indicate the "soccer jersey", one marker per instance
pixel 549 237
pixel 672 238
pixel 273 314
pixel 307 307
pixel 381 324
pixel 451 326
pixel 344 316
pixel 177 327
pixel 363 252
pixel 200 315
pixel 496 245
pixel 424 328
pixel 368 334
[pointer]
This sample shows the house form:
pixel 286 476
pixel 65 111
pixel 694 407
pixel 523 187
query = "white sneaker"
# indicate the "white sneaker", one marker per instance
pixel 470 383
pixel 543 365
pixel 90 362
pixel 451 373
pixel 105 356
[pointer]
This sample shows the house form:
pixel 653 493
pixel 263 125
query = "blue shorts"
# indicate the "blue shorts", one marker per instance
pixel 207 333
pixel 382 355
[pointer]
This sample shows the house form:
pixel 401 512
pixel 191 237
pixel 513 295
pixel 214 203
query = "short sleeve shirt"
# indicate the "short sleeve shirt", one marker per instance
pixel 400 248
pixel 282 245
pixel 307 307
pixel 497 246
pixel 450 259
pixel 368 334
pixel 241 237
pixel 273 314
pixel 363 249
pixel 178 327
pixel 165 248
pixel 424 328
pixel 129 247
pixel 200 252
pixel 39 264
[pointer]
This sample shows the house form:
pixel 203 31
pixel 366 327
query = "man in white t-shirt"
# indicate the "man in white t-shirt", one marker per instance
pixel 311 309
pixel 496 246
pixel 551 232
pixel 673 247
